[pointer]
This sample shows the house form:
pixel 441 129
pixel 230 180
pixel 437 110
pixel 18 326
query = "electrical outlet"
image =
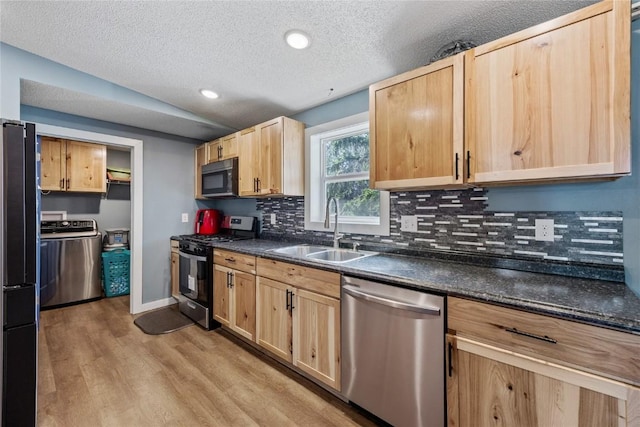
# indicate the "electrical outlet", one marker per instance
pixel 544 230
pixel 185 217
pixel 408 223
pixel 273 219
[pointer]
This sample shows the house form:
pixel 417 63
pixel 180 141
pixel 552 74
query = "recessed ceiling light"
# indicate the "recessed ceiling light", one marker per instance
pixel 297 39
pixel 208 93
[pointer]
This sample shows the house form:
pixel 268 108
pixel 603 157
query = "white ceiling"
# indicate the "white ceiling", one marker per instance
pixel 168 50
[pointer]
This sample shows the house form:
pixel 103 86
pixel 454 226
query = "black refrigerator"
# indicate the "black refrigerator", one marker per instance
pixel 18 262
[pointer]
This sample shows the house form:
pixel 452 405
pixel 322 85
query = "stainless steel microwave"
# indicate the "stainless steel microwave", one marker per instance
pixel 220 179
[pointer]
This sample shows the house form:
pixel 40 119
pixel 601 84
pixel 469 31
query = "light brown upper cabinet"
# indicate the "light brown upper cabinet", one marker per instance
pixel 271 159
pixel 416 122
pixel 223 148
pixel 248 161
pixel 549 103
pixel 552 102
pixel 68 165
pixel 200 159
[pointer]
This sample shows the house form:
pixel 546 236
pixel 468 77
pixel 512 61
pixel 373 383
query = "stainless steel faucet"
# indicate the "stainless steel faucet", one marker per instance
pixel 327 223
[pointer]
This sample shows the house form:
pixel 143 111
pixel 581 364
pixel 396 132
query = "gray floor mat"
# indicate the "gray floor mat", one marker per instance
pixel 163 321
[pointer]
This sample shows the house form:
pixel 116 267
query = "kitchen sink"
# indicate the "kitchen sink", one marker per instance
pixel 338 255
pixel 322 253
pixel 299 251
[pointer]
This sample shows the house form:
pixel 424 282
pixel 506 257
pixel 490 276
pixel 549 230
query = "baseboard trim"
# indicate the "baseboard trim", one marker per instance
pixel 156 304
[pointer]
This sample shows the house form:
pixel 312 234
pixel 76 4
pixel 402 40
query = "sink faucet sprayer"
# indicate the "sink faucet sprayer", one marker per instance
pixel 336 236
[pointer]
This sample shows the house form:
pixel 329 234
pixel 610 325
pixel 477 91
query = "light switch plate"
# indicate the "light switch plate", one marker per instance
pixel 273 219
pixel 544 230
pixel 185 217
pixel 408 223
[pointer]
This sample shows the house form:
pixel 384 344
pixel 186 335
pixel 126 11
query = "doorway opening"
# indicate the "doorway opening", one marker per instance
pixel 134 147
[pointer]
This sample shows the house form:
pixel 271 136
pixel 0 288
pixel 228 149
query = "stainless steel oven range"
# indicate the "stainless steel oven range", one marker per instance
pixel 196 267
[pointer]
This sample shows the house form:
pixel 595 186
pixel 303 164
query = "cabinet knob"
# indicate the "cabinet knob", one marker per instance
pixel 517 153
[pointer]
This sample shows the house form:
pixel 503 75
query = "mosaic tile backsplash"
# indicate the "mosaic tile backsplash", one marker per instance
pixel 456 221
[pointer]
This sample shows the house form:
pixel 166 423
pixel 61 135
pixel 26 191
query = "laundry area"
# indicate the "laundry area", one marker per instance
pixel 84 229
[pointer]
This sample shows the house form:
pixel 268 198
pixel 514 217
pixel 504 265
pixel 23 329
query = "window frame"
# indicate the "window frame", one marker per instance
pixel 315 181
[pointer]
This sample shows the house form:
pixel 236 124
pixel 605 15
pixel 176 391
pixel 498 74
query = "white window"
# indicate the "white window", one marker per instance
pixel 338 166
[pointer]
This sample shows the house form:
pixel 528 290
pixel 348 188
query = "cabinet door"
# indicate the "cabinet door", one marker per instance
pixel 273 321
pixel 175 278
pixel 86 167
pixel 316 336
pixel 52 164
pixel 270 149
pixel 221 294
pixel 416 122
pixel 248 162
pixel 214 151
pixel 499 387
pixel 552 101
pixel 200 159
pixel 244 304
pixel 229 146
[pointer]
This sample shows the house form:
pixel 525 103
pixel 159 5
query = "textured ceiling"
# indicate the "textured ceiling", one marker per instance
pixel 169 50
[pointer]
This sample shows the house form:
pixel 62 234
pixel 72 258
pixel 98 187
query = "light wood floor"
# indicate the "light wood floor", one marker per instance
pixel 96 368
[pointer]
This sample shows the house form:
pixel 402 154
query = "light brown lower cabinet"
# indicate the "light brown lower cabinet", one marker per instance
pixel 316 336
pixel 513 368
pixel 300 325
pixel 175 263
pixel 490 386
pixel 234 304
pixel 273 326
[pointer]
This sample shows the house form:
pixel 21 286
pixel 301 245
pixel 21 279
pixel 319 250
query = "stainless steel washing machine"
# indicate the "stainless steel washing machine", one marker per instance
pixel 70 262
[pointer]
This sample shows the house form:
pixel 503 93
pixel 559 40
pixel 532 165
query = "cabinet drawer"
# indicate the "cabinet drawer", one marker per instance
pixel 235 260
pixel 323 282
pixel 603 351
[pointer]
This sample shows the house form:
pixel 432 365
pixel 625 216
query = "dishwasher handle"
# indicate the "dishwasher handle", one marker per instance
pixel 356 293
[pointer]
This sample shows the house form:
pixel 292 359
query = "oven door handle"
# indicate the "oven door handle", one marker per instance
pixel 195 257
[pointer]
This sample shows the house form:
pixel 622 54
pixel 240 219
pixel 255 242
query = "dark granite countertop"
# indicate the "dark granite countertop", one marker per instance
pixel 603 303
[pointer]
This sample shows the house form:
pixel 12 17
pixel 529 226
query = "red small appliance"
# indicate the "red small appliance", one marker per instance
pixel 208 221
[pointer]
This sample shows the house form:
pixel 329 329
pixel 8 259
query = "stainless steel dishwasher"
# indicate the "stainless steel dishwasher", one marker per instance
pixel 393 352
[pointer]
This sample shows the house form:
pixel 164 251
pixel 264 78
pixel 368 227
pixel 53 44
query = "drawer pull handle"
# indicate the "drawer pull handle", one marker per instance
pixel 230 259
pixel 530 335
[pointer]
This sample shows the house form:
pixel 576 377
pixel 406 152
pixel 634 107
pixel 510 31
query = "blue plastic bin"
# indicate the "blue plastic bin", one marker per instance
pixel 115 272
